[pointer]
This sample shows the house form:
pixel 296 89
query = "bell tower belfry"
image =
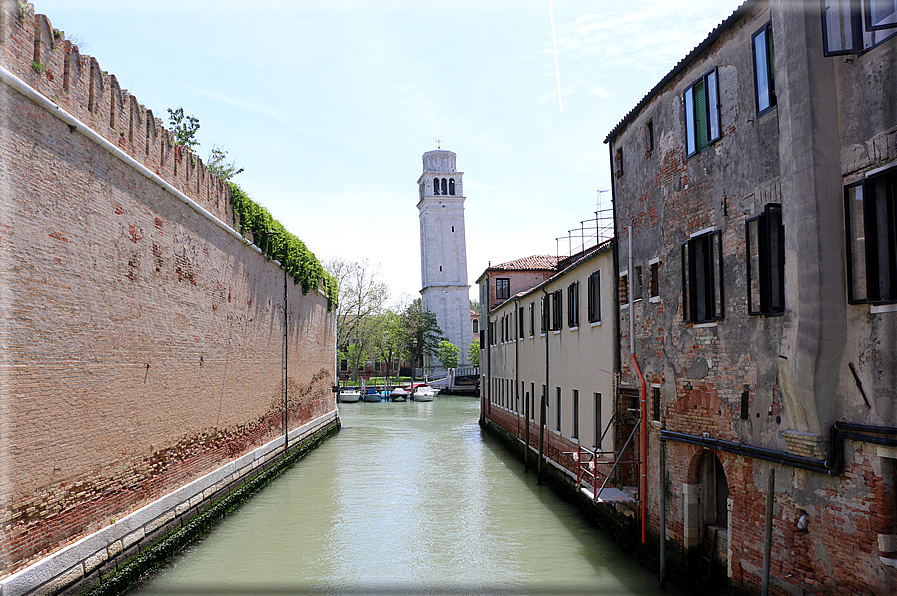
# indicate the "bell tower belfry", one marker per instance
pixel 443 249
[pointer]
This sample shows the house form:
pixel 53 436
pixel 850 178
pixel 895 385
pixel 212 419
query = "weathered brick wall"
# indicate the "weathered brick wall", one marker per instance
pixel 794 367
pixel 143 341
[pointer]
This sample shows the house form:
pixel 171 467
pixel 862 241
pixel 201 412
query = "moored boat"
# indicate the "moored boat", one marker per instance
pixel 349 396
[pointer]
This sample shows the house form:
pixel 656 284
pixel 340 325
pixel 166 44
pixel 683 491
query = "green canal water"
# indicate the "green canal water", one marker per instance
pixel 408 498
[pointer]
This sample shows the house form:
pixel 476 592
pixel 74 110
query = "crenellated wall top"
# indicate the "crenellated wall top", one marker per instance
pixel 41 56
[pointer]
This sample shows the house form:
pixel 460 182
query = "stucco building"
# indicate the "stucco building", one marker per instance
pixel 756 185
pixel 552 337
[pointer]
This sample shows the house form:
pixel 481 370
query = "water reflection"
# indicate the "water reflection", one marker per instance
pixel 408 498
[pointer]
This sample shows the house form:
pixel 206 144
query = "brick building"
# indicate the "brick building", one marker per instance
pixel 151 357
pixel 756 184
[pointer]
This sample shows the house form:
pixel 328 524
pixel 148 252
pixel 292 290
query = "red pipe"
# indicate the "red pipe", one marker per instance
pixel 643 491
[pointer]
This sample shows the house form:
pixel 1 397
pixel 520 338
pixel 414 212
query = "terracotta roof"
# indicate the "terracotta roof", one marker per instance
pixel 533 263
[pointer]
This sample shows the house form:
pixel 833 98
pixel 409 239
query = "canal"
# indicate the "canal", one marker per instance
pixel 408 498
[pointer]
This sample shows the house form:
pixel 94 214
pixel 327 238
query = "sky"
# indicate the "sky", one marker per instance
pixel 329 106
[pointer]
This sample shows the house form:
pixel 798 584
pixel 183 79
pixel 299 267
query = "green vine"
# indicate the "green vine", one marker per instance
pixel 277 243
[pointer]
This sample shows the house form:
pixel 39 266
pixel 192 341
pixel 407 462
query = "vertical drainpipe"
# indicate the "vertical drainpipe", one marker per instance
pixel 517 366
pixel 643 471
pixel 767 534
pixel 487 390
pixel 545 319
pixel 286 362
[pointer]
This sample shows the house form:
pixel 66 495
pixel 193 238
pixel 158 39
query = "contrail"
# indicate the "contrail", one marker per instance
pixel 554 42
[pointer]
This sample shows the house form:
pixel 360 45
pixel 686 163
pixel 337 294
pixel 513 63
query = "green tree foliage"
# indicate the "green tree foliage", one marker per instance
pixel 423 332
pixel 475 305
pixel 277 243
pixel 184 128
pixel 388 339
pixel 217 164
pixel 473 353
pixel 362 296
pixel 448 354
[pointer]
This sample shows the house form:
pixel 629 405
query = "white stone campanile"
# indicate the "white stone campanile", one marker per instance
pixel 443 248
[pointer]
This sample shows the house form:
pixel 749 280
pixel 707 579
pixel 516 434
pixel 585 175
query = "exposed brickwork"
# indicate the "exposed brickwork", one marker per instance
pixel 787 372
pixel 143 344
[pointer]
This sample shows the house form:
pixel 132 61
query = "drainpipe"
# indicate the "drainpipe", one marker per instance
pixel 517 367
pixel 286 362
pixel 663 517
pixel 767 535
pixel 643 463
pixel 545 310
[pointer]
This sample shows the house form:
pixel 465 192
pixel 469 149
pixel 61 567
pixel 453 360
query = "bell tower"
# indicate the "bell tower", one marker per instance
pixel 443 249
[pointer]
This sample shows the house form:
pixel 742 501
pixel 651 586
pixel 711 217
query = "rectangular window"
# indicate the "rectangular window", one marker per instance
pixel 880 14
pixel 649 134
pixel 766 261
pixel 702 278
pixel 871 210
pixel 852 26
pixel 575 434
pixel 597 421
pixel 653 280
pixel 532 319
pixel 557 310
pixel 594 297
pixel 532 402
pixel 557 415
pixel 544 313
pixel 702 113
pixel 502 288
pixel 344 365
pixel 656 396
pixel 377 366
pixel 520 323
pixel 573 304
pixel 618 161
pixel 624 288
pixel 637 283
pixel 764 70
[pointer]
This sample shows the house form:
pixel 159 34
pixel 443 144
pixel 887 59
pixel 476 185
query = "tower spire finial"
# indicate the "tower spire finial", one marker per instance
pixel 438 144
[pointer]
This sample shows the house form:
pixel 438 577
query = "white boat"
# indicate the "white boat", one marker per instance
pixel 349 396
pixel 424 393
pixel 398 394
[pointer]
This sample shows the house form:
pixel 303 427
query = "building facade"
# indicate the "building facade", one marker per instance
pixel 554 337
pixel 443 250
pixel 755 195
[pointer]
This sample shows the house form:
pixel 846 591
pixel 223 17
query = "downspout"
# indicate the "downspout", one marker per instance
pixel 517 368
pixel 286 362
pixel 545 309
pixel 643 459
pixel 663 516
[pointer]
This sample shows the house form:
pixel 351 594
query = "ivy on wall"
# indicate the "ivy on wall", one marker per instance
pixel 277 243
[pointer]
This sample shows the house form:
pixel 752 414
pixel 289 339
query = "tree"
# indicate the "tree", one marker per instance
pixel 387 338
pixel 217 164
pixel 361 298
pixel 475 305
pixel 184 128
pixel 473 353
pixel 423 332
pixel 448 354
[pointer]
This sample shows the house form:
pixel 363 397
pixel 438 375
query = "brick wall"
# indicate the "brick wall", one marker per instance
pixel 143 341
